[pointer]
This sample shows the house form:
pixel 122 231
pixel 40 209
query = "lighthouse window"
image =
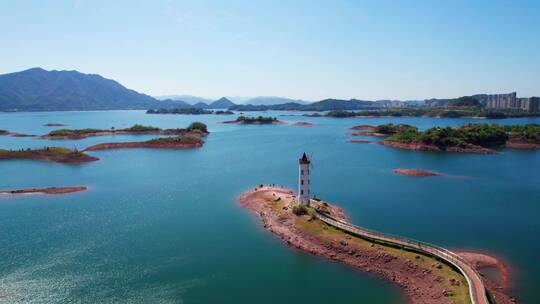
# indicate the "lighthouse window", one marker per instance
pixel 302 172
pixel 301 192
pixel 301 182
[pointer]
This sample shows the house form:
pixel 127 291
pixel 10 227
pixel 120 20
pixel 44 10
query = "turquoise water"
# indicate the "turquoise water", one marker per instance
pixel 164 226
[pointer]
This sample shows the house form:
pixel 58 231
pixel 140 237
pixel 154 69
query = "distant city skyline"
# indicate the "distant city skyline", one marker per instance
pixel 309 50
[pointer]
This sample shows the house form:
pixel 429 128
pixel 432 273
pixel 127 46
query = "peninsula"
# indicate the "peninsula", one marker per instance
pixel 48 190
pixel 424 277
pixel 52 154
pixel 136 129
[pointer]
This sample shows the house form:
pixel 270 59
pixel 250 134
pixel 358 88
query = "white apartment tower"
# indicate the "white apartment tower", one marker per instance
pixel 303 180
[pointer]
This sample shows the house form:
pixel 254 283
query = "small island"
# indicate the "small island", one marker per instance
pixel 189 111
pixel 471 138
pixel 54 125
pixel 302 124
pixel 177 142
pixel 52 154
pixel 416 172
pixel 260 120
pixel 48 190
pixel 359 141
pixel 14 134
pixel 192 138
pixel 136 129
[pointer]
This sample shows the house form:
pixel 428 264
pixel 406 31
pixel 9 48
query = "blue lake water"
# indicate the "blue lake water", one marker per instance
pixel 164 226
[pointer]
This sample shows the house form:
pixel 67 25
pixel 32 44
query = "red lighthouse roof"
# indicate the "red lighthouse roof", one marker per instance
pixel 304 159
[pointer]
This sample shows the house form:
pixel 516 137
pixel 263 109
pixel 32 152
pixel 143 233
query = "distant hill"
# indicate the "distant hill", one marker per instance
pixel 199 105
pixel 340 104
pixel 272 100
pixel 39 90
pixel 222 103
pixel 190 99
pixel 323 105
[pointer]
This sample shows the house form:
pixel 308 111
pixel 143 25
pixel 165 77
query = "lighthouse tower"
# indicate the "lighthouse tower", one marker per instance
pixel 303 180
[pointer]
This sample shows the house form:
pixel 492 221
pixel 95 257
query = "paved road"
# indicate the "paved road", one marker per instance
pixel 477 290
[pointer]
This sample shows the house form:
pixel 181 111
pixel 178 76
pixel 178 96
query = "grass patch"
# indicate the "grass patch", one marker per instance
pixel 183 139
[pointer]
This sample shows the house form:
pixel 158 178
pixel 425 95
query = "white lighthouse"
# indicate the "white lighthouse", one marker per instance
pixel 303 180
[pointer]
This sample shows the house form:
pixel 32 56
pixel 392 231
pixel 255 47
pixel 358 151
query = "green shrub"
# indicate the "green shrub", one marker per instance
pixel 300 210
pixel 182 139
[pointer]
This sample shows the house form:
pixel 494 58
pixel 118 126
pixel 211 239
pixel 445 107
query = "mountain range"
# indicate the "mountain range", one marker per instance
pixel 39 90
pixel 323 105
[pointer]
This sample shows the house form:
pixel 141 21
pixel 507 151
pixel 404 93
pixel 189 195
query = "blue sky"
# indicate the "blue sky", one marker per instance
pixel 300 49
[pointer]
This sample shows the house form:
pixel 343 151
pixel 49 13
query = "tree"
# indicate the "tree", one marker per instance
pixel 198 126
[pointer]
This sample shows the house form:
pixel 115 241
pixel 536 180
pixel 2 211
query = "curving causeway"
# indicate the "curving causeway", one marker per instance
pixel 477 291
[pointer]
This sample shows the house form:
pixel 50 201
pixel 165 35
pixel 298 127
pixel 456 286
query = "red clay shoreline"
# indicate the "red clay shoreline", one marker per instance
pixel 522 145
pixel 47 190
pixel 433 148
pixel 416 172
pixel 130 145
pixel 71 158
pixel 420 285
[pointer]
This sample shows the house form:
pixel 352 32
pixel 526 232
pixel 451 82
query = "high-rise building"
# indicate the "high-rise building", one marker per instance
pixel 502 101
pixel 531 104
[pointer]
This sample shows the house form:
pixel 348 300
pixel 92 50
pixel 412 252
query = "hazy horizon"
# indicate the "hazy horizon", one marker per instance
pixel 303 50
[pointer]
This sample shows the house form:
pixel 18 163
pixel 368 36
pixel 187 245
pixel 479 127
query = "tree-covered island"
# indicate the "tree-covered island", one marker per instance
pixel 259 120
pixel 471 138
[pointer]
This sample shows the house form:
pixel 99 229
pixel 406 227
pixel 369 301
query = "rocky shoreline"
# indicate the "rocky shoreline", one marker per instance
pixel 48 190
pixel 423 279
